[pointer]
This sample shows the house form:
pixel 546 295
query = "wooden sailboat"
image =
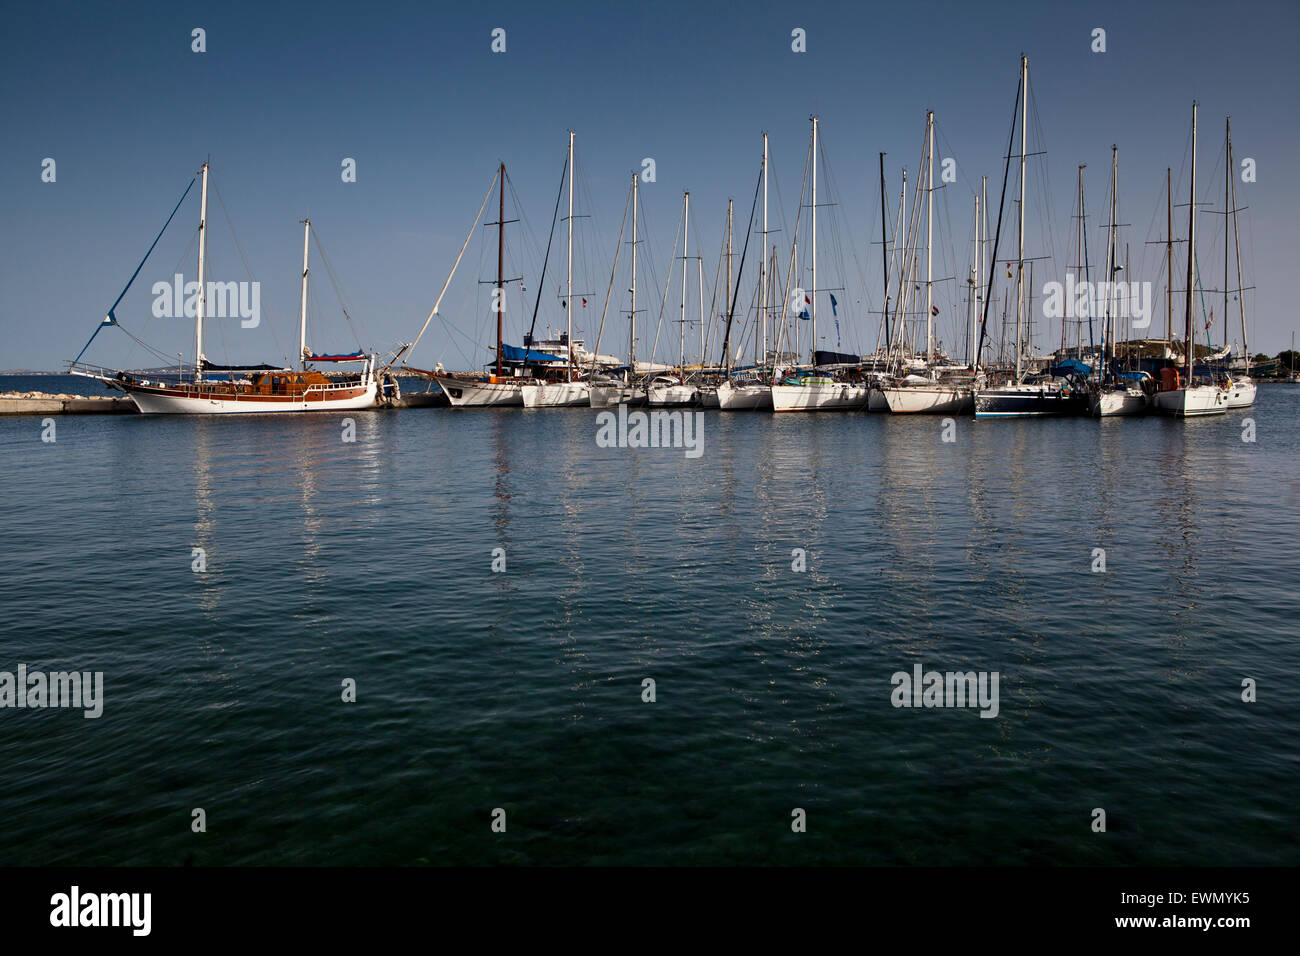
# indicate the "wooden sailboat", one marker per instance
pixel 241 389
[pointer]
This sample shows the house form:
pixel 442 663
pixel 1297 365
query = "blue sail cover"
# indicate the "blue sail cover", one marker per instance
pixel 1070 367
pixel 513 353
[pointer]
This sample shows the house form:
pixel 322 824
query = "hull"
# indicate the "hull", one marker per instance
pixel 816 397
pixel 462 394
pixel 665 396
pixel 876 401
pixel 709 398
pixel 1115 402
pixel 556 394
pixel 608 396
pixel 164 400
pixel 929 399
pixel 734 398
pixel 1241 394
pixel 1027 401
pixel 1194 402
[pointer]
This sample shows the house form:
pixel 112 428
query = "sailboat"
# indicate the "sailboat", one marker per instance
pixel 1179 395
pixel 568 389
pixel 1024 396
pixel 938 391
pixel 1241 389
pixel 673 390
pixel 608 391
pixel 825 386
pixel 238 389
pixel 1113 395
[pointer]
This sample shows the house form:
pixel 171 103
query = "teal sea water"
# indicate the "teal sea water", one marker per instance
pixel 372 560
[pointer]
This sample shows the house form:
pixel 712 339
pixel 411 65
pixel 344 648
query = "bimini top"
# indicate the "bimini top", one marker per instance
pixel 1070 367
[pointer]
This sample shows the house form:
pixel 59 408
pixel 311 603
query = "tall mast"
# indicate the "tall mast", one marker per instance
pixel 1081 236
pixel 1236 239
pixel 763 275
pixel 980 274
pixel 203 289
pixel 1112 254
pixel 729 225
pixel 974 284
pixel 501 258
pixel 568 301
pixel 1227 211
pixel 884 250
pixel 929 235
pixel 1020 256
pixel 302 315
pixel 813 313
pixel 1188 361
pixel 631 341
pixel 1169 259
pixel 686 225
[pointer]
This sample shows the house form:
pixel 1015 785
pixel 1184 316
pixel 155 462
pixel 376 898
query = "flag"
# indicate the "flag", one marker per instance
pixel 109 319
pixel 1008 270
pixel 834 308
pixel 934 310
pixel 584 303
pixel 837 330
pixel 564 304
pixel 806 299
pixel 804 314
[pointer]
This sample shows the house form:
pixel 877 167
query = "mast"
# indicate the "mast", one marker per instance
pixel 685 228
pixel 302 315
pixel 929 235
pixel 1020 256
pixel 501 257
pixel 1227 211
pixel 813 313
pixel 203 254
pixel 1169 260
pixel 763 275
pixel 1108 332
pixel 1236 239
pixel 884 250
pixel 1188 361
pixel 568 301
pixel 974 284
pixel 1081 236
pixel 727 357
pixel 631 341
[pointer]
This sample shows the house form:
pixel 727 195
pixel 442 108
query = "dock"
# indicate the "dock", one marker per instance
pixel 43 403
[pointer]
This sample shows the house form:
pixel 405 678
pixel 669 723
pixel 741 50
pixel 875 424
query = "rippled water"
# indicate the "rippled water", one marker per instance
pixel 371 560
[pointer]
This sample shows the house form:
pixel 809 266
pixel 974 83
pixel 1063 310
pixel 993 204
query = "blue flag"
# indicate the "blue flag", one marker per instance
pixel 834 306
pixel 804 314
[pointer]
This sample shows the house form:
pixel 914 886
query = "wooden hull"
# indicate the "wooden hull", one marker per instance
pixel 195 400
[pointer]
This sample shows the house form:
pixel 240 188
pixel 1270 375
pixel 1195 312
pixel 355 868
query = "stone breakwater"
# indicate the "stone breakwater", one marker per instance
pixel 45 403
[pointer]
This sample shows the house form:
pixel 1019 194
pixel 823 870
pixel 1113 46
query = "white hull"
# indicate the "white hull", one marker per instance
pixel 608 396
pixel 1115 402
pixel 734 398
pixel 166 401
pixel 929 399
pixel 663 396
pixel 1193 402
pixel 1241 394
pixel 556 394
pixel 836 396
pixel 464 394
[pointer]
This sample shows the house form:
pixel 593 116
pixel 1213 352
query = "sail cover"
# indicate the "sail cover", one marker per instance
pixel 356 356
pixel 835 358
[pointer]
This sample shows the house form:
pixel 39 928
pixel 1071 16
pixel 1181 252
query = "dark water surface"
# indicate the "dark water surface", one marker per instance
pixel 372 560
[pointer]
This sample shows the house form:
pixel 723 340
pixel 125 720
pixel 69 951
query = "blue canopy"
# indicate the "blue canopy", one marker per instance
pixel 513 353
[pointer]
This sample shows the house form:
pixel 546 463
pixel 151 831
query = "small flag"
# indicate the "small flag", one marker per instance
pixel 584 303
pixel 804 314
pixel 837 330
pixel 806 299
pixel 564 304
pixel 934 310
pixel 1008 270
pixel 835 308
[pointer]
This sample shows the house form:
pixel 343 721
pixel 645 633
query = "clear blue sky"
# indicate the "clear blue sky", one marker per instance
pixel 114 94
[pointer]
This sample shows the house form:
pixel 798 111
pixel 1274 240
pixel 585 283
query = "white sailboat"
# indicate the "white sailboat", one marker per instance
pixel 607 392
pixel 1179 395
pixel 570 390
pixel 806 390
pixel 1241 388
